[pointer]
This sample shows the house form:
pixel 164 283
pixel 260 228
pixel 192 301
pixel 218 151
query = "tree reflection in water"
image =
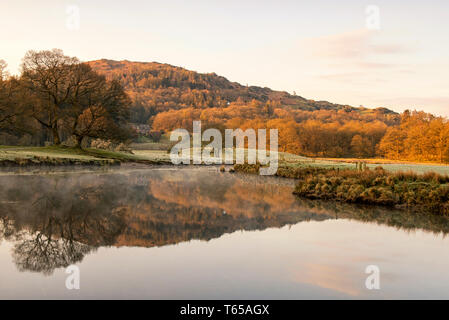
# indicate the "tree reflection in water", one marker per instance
pixel 55 220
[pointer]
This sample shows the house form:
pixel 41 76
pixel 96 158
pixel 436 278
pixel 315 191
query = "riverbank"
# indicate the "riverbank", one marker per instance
pixel 427 192
pixel 158 154
pixel 381 161
pixel 13 156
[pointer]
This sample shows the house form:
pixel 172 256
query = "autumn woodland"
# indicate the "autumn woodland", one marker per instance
pixel 57 99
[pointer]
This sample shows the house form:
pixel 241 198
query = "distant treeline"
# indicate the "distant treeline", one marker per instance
pixel 324 133
pixel 415 136
pixel 419 137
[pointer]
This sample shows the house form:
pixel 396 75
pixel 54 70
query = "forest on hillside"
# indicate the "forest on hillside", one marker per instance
pixel 57 98
pixel 156 87
pixel 169 97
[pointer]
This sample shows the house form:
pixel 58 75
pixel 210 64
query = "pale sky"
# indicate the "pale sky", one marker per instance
pixel 322 50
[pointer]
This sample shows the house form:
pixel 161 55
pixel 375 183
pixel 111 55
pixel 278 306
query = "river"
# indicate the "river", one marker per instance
pixel 196 233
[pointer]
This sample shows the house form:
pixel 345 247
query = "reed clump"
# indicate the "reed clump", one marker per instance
pixel 428 192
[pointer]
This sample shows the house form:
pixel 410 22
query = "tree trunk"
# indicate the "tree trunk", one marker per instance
pixel 79 141
pixel 56 139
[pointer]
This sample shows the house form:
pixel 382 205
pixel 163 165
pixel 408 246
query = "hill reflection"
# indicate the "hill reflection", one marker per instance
pixel 55 220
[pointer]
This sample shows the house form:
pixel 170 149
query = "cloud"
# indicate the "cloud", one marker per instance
pixel 337 278
pixel 359 57
pixel 356 46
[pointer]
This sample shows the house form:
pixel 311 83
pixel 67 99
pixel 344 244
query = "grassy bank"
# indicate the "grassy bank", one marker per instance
pixel 60 156
pixel 427 192
pixel 158 153
pixel 390 165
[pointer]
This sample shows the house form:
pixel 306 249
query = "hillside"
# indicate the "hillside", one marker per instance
pixel 168 97
pixel 156 87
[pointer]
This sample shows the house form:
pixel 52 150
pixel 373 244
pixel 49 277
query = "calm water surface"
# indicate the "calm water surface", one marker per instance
pixel 195 233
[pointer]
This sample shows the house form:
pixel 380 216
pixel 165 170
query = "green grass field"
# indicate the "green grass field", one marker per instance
pixel 61 155
pixel 157 153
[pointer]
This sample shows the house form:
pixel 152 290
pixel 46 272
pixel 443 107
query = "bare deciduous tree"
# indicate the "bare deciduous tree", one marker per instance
pixel 71 96
pixel 47 74
pixel 99 108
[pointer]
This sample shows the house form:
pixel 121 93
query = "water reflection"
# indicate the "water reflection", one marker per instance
pixel 55 220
